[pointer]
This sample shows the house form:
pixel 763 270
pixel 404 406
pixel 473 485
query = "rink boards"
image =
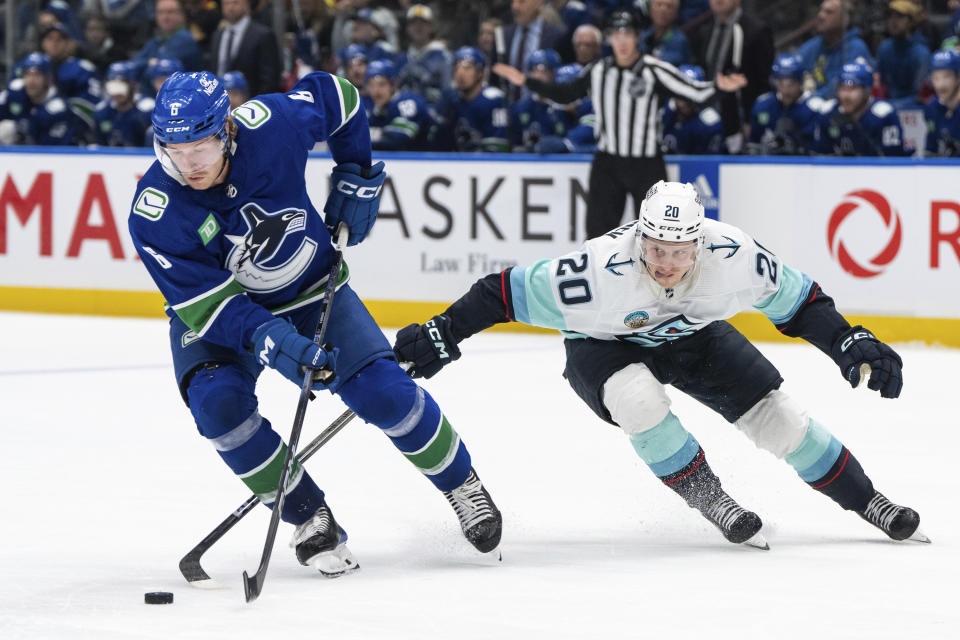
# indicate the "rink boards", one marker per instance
pixel 881 236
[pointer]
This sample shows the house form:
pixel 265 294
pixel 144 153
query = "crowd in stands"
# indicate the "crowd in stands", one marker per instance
pixel 827 79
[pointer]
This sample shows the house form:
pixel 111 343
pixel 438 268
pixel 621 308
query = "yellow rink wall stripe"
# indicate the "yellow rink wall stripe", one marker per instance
pixel 390 313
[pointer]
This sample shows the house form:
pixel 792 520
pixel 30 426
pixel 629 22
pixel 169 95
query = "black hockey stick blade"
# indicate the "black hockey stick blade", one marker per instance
pixel 190 565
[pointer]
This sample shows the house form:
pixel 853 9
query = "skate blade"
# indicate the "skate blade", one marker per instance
pixel 335 563
pixel 919 536
pixel 757 541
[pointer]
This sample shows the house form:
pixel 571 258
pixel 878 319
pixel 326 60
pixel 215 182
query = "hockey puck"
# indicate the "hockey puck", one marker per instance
pixel 158 597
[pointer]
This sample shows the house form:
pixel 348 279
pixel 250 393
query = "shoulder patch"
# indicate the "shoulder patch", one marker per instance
pixel 492 93
pixel 252 114
pixel 881 108
pixel 146 104
pixel 55 105
pixel 820 105
pixel 709 116
pixel 16 84
pixel 89 66
pixel 151 203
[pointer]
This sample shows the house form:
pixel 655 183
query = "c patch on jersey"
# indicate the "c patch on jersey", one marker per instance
pixel 268 256
pixel 208 229
pixel 636 319
pixel 151 203
pixel 252 114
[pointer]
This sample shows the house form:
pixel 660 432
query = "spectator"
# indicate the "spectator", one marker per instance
pixel 399 120
pixel 159 70
pixel 77 81
pixel 732 41
pixel 901 59
pixel 941 113
pixel 99 46
pixel 688 128
pixel 924 30
pixel 690 9
pixel 347 11
pixel 368 28
pixel 472 115
pixel 123 118
pixel 354 60
pixel 129 21
pixel 587 44
pixel 573 13
pixel 855 124
pixel 203 18
pixel 242 44
pixel 172 40
pixel 533 117
pixel 577 117
pixel 835 45
pixel 782 122
pixel 528 33
pixel 31 111
pixel 237 88
pixel 426 67
pixel 487 37
pixel 662 39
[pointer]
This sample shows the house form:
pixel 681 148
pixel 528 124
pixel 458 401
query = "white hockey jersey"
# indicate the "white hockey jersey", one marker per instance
pixel 603 291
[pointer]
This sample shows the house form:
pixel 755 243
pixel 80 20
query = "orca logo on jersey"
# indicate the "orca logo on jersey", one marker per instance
pixel 852 261
pixel 269 256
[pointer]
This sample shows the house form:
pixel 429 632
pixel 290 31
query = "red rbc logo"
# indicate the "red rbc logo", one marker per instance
pixel 872 203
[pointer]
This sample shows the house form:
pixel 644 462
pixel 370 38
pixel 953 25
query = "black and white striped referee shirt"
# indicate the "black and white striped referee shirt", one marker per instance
pixel 627 101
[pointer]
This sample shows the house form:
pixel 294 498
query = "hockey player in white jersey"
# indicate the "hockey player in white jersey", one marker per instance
pixel 644 306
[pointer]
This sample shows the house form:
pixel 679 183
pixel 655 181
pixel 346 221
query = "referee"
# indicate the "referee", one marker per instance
pixel 627 90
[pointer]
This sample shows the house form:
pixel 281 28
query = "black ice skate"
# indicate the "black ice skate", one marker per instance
pixel 321 543
pixel 479 518
pixel 900 523
pixel 735 523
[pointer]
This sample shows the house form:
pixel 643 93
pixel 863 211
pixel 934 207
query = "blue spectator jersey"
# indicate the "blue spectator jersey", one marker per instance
pixel 825 64
pixel 902 64
pixel 574 14
pixel 876 133
pixel 402 124
pixel 475 125
pixel 47 123
pixel 130 128
pixel 943 129
pixel 779 130
pixel 700 134
pixel 78 84
pixel 673 48
pixel 229 258
pixel 179 45
pixel 426 72
pixel 531 120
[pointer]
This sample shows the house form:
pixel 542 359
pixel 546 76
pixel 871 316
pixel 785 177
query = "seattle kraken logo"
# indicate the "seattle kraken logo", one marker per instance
pixel 267 257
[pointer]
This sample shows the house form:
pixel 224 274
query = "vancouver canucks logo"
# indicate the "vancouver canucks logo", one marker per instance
pixel 273 252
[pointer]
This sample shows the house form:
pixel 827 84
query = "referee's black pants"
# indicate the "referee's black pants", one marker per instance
pixel 611 178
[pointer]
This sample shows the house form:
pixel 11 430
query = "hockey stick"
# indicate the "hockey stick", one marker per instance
pixel 252 586
pixel 190 563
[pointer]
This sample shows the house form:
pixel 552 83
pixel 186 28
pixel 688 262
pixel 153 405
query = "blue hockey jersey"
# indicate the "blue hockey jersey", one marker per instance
pixel 531 120
pixel 47 123
pixel 779 130
pixel 130 128
pixel 78 84
pixel 701 134
pixel 426 72
pixel 475 125
pixel 227 258
pixel 943 129
pixel 403 123
pixel 876 133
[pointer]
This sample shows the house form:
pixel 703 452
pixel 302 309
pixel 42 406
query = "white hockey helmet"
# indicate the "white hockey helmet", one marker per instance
pixel 671 212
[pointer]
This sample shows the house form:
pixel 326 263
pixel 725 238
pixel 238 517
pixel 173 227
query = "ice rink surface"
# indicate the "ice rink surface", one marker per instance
pixel 108 485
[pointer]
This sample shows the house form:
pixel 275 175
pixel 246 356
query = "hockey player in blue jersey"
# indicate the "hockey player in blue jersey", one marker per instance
pixel 123 118
pixel 644 306
pixel 31 110
pixel 77 81
pixel 940 113
pixel 472 116
pixel 399 121
pixel 689 129
pixel 781 122
pixel 577 117
pixel 426 66
pixel 533 117
pixel 855 124
pixel 223 223
pixel 237 88
pixel 158 71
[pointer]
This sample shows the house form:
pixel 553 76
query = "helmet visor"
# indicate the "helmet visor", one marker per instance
pixel 669 255
pixel 192 157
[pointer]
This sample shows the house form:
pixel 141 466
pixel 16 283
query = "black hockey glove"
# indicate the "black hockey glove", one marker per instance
pixel 857 347
pixel 429 347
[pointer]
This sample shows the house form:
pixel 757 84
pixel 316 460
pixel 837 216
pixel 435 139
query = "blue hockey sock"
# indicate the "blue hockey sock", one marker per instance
pixel 828 467
pixel 667 447
pixel 225 409
pixel 382 394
